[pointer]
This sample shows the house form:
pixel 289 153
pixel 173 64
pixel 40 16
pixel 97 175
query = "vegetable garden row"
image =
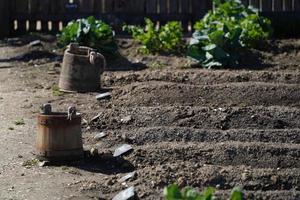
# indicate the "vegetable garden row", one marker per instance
pixel 218 40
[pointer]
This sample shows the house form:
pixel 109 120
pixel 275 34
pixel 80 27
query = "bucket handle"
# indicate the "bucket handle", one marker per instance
pixel 94 57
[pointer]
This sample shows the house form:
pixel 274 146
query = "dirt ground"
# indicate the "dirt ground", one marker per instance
pixel 196 127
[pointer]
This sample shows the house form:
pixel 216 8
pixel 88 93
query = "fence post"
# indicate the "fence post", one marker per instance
pixel 4 18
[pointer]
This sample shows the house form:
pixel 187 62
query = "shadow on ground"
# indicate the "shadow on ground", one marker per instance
pixel 104 164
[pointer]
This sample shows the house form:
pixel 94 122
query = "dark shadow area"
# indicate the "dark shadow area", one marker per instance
pixel 104 164
pixel 249 60
pixel 252 60
pixel 121 63
pixel 27 38
pixel 34 55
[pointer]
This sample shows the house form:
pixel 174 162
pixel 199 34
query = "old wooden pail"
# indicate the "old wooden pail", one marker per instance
pixel 59 136
pixel 81 69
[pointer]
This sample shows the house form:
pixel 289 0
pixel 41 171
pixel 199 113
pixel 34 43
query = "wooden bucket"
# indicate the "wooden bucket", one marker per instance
pixel 59 138
pixel 81 69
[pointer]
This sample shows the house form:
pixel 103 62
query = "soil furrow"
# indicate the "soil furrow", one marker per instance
pixel 232 94
pixel 149 135
pixel 261 155
pixel 201 77
pixel 191 174
pixel 199 117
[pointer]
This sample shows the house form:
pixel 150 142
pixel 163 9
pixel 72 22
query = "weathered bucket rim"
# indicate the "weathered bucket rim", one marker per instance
pixel 59 115
pixel 80 51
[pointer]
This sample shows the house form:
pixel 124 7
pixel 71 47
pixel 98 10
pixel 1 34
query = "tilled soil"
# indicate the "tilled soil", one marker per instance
pixel 195 127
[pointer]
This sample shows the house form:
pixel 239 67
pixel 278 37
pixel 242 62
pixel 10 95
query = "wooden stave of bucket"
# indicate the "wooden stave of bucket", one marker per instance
pixel 78 74
pixel 58 138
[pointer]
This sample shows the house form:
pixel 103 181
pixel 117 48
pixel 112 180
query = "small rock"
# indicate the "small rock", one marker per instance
pixel 127 177
pixel 181 182
pixel 84 122
pixel 125 194
pixel 5 66
pixel 35 43
pixel 95 118
pixel 93 152
pixel 87 128
pixel 43 163
pixel 100 136
pixel 56 65
pixel 126 119
pixel 109 182
pixel 46 109
pixel 274 179
pixel 105 95
pixel 122 150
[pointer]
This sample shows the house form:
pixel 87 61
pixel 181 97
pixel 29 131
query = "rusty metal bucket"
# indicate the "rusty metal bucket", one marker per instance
pixel 81 69
pixel 59 136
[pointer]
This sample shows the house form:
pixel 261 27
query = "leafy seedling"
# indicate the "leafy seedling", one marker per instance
pixel 225 32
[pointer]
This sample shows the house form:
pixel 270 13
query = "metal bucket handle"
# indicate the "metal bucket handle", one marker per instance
pixel 94 59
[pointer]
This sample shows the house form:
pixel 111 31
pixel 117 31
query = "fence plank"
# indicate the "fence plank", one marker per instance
pixel 151 6
pixel 138 6
pixel 199 7
pixel 266 5
pixel 163 6
pixel 184 6
pixel 86 6
pixel 277 5
pixel 288 5
pixel 11 9
pixel 108 6
pixel 4 18
pixel 245 2
pixel 254 3
pixel 44 8
pixel 122 6
pixel 185 9
pixel 173 6
pixel 33 6
pixel 22 8
pixel 55 9
pixel 98 7
pixel 296 5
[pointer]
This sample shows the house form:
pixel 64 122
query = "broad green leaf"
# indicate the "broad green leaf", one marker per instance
pixel 172 192
pixel 236 194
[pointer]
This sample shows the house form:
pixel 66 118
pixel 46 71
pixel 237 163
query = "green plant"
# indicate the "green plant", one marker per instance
pixel 19 122
pixel 166 39
pixel 56 91
pixel 224 32
pixel 172 192
pixel 90 32
pixel 30 163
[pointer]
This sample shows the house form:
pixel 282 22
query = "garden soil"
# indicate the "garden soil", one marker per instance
pixel 192 126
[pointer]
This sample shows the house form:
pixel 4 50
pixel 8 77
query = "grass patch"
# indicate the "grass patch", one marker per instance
pixel 30 163
pixel 56 91
pixel 19 122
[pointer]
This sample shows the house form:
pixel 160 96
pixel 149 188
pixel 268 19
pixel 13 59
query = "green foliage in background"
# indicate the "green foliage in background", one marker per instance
pixel 225 31
pixel 90 32
pixel 172 192
pixel 166 39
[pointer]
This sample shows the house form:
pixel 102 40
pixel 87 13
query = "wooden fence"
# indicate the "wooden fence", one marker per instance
pixel 21 16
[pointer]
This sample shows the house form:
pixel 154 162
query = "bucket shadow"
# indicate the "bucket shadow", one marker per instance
pixel 33 55
pixel 121 63
pixel 111 166
pixel 104 164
